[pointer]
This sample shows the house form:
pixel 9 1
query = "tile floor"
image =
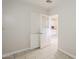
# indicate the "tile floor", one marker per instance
pixel 49 52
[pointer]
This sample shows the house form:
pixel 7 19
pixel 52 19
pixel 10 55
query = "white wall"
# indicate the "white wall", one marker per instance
pixel 67 33
pixel 16 25
pixel 16 18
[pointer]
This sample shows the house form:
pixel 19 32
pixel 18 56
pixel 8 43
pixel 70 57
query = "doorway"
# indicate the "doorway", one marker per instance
pixel 53 26
pixel 49 28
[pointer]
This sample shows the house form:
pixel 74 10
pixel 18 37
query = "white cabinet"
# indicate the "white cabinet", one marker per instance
pixel 39 24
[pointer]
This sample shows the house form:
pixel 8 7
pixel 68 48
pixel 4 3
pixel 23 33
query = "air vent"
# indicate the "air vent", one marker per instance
pixel 48 1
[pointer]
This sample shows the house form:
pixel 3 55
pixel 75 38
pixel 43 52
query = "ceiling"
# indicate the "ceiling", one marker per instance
pixel 42 3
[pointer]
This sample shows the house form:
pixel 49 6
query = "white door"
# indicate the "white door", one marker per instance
pixel 44 25
pixel 35 29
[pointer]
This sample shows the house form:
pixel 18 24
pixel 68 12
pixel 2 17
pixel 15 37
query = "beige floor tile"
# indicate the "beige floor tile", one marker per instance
pixel 21 57
pixel 9 57
pixel 49 52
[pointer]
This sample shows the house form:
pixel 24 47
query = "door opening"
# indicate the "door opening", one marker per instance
pixel 53 26
pixel 49 28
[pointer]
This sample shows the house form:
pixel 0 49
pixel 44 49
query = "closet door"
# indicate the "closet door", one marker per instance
pixel 35 29
pixel 44 25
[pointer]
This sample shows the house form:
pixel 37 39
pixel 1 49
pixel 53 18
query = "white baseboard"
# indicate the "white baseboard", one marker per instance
pixel 15 52
pixel 65 52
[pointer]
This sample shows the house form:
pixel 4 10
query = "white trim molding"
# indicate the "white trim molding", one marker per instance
pixel 15 52
pixel 67 53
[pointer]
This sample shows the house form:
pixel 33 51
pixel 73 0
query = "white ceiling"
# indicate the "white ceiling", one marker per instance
pixel 42 3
